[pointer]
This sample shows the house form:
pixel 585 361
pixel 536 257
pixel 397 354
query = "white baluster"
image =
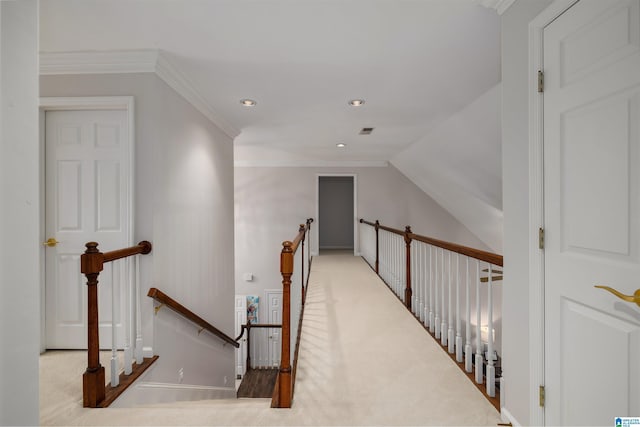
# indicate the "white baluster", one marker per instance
pixel 468 349
pixel 478 330
pixel 451 339
pixel 138 349
pixel 443 327
pixel 423 296
pixel 115 378
pixel 458 316
pixel 425 284
pixel 436 319
pixel 128 326
pixel 432 267
pixel 491 370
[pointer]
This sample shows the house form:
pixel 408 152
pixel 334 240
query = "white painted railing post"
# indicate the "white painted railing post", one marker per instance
pixel 458 317
pixel 436 319
pixel 128 327
pixel 115 279
pixel 443 326
pixel 451 337
pixel 138 348
pixel 468 349
pixel 478 327
pixel 431 286
pixel 491 370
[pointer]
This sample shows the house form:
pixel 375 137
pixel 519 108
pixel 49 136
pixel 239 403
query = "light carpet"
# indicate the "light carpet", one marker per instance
pixel 364 360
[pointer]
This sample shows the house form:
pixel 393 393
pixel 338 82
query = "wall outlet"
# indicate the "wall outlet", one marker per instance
pixel 226 380
pixel 180 375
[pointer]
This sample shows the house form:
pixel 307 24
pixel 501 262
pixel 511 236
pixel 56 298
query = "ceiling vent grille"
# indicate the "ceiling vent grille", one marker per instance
pixel 366 131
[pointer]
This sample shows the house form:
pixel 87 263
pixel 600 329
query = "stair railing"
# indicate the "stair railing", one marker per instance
pixel 165 300
pixel 125 275
pixel 258 354
pixel 294 290
pixel 434 278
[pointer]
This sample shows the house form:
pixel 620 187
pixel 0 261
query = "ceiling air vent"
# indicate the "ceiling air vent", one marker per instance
pixel 366 131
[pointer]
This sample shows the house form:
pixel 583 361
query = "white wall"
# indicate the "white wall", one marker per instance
pixel 270 203
pixel 184 206
pixel 19 215
pixel 458 164
pixel 515 172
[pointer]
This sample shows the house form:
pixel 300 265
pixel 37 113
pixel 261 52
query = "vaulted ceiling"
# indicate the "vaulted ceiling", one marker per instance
pixel 415 63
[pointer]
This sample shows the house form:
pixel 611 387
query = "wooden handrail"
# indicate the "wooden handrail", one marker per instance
pixel 143 248
pixel 174 305
pixel 481 255
pixel 91 264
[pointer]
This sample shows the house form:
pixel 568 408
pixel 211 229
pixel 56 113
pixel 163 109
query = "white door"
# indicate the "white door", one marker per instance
pixel 87 199
pixel 274 307
pixel 592 212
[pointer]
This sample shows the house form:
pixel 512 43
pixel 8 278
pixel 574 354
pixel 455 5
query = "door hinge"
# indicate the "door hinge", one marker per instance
pixel 541 396
pixel 540 81
pixel 541 238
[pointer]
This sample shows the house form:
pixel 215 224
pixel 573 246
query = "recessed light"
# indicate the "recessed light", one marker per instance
pixel 248 102
pixel 356 102
pixel 341 145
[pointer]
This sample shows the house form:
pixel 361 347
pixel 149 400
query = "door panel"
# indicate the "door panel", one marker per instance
pixel 274 304
pixel 87 199
pixel 592 215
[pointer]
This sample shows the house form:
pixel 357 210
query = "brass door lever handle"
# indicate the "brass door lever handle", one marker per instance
pixel 51 242
pixel 629 298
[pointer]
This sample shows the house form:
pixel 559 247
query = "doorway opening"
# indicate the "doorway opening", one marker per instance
pixel 336 214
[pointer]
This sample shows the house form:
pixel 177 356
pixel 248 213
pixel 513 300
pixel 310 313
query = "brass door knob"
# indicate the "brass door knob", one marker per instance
pixel 629 298
pixel 51 242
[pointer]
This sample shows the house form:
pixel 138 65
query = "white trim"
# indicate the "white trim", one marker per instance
pixel 506 416
pixel 499 5
pixel 311 164
pixel 536 207
pixel 316 229
pixel 178 82
pixel 147 393
pixel 104 62
pixel 133 61
pixel 126 103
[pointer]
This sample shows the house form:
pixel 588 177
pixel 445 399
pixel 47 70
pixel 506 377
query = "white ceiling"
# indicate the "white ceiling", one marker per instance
pixel 415 62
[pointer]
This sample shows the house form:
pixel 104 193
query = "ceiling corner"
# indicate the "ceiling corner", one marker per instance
pixel 499 5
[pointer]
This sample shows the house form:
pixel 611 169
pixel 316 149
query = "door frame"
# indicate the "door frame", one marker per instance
pixel 315 250
pixel 536 205
pixel 125 103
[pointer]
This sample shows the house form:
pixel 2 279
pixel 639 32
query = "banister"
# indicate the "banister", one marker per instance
pixel 91 264
pixel 144 247
pixel 174 305
pixel 481 255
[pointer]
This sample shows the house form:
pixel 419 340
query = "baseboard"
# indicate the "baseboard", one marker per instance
pixel 148 393
pixel 507 417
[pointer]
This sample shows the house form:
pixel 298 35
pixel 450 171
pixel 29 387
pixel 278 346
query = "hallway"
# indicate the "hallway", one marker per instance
pixel 363 361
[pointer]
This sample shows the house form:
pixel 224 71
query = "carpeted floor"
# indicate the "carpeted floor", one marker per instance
pixel 364 360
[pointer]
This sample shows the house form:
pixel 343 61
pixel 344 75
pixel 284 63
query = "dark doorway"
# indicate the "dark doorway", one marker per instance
pixel 335 212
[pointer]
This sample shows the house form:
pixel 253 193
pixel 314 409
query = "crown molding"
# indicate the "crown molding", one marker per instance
pixel 132 61
pixel 499 5
pixel 94 62
pixel 311 164
pixel 176 80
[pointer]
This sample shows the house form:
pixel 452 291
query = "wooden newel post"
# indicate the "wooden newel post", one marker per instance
pixel 377 247
pixel 93 384
pixel 408 292
pixel 284 377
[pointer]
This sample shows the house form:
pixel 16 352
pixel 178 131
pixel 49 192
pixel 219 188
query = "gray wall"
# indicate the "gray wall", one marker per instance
pixel 335 212
pixel 19 216
pixel 184 206
pixel 515 188
pixel 270 203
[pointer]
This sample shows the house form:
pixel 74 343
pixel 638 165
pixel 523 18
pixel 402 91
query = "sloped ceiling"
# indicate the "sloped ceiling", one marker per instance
pixel 459 164
pixel 418 64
